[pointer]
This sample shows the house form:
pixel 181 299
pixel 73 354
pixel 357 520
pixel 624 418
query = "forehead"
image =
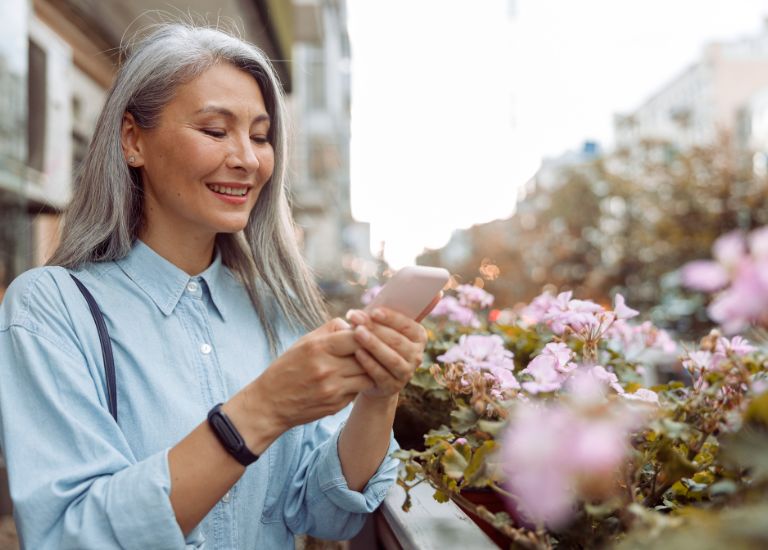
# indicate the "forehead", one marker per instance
pixel 224 85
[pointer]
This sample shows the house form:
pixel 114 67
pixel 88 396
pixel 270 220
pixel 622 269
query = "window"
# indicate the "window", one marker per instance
pixel 36 107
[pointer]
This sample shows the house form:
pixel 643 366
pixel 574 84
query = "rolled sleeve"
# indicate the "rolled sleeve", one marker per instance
pixel 319 501
pixel 333 485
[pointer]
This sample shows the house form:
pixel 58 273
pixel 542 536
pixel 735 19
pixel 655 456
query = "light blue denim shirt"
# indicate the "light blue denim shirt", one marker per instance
pixel 181 344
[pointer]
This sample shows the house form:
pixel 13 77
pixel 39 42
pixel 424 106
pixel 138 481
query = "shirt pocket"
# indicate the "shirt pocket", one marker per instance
pixel 281 469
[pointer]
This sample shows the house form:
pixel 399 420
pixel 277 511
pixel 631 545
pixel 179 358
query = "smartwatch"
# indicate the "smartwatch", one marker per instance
pixel 229 437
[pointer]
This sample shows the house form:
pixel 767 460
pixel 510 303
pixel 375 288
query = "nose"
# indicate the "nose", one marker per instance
pixel 242 155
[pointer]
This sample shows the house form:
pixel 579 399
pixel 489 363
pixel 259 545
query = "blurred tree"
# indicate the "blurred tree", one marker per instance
pixel 623 222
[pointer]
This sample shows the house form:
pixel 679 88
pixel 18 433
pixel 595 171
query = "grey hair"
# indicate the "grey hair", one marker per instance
pixel 106 212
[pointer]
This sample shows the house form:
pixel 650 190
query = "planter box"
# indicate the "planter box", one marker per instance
pixel 428 525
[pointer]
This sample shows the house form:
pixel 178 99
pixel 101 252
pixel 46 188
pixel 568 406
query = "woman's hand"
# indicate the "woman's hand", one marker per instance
pixel 391 348
pixel 317 376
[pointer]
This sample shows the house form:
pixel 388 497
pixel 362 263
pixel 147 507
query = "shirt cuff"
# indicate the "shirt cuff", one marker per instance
pixel 147 486
pixel 334 486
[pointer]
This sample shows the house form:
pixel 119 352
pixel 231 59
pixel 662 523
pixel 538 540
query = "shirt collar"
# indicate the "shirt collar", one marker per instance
pixel 165 283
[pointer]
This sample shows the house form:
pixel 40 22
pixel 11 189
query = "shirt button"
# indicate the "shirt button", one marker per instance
pixel 226 497
pixel 192 286
pixel 205 349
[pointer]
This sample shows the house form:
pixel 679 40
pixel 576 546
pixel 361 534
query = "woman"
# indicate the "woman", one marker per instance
pixel 180 228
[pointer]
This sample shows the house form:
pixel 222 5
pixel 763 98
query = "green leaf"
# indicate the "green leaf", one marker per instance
pixel 463 419
pixel 443 433
pixel 423 379
pixel 492 427
pixel 476 466
pixel 453 463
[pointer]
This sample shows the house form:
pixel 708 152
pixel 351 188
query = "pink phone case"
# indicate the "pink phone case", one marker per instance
pixel 411 289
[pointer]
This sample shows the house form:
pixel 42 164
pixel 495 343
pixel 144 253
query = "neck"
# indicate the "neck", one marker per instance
pixel 191 254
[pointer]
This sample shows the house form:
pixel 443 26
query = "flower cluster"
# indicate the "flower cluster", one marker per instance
pixel 546 406
pixel 479 365
pixel 584 319
pixel 739 275
pixel 462 308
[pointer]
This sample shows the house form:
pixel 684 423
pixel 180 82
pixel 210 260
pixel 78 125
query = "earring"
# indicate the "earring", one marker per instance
pixel 131 159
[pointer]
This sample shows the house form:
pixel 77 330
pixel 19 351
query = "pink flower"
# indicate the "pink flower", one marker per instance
pixel 737 346
pixel 621 310
pixel 745 301
pixel 450 307
pixel 534 312
pixel 473 296
pixel 555 455
pixel 697 361
pixel 729 249
pixel 705 276
pixel 644 395
pixel 758 243
pixel 598 372
pixel 549 369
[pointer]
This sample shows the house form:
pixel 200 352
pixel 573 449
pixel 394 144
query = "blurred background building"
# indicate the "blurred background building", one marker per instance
pixel 58 58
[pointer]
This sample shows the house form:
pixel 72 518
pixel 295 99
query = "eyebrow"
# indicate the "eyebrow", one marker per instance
pixel 223 111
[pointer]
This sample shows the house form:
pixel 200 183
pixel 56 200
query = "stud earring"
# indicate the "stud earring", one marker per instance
pixel 131 159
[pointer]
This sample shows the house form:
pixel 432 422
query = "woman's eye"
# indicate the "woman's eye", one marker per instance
pixel 213 132
pixel 259 139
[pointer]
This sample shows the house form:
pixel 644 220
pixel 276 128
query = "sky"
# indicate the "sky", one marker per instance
pixel 456 102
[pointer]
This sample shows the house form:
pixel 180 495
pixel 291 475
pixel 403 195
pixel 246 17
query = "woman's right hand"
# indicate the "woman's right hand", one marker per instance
pixel 317 376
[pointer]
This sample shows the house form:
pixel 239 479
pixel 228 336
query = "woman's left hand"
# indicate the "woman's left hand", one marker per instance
pixel 392 348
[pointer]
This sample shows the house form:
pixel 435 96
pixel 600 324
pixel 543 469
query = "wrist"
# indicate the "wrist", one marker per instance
pixel 386 402
pixel 257 427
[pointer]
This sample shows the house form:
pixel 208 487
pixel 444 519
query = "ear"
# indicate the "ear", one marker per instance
pixel 131 142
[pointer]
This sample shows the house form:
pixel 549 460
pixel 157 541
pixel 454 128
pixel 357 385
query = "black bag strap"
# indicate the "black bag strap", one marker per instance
pixel 106 346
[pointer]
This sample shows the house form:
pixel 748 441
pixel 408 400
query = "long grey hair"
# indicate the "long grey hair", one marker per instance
pixel 106 212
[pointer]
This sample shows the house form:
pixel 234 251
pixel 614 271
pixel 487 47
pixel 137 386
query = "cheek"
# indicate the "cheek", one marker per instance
pixel 266 165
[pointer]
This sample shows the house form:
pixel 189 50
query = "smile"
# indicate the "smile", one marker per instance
pixel 233 191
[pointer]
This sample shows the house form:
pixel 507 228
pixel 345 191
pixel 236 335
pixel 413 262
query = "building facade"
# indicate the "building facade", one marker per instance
pixel 704 102
pixel 321 109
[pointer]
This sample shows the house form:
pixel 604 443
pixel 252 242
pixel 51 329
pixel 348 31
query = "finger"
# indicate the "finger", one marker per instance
pixel 340 343
pixel 356 384
pixel 401 323
pixel 381 377
pixel 430 307
pixel 334 325
pixel 383 354
pixel 395 340
pixel 347 367
pixel 358 317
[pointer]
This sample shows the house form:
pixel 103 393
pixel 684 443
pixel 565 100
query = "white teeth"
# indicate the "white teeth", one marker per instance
pixel 235 192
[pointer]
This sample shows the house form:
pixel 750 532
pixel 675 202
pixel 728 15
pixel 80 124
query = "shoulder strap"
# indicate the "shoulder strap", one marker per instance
pixel 106 346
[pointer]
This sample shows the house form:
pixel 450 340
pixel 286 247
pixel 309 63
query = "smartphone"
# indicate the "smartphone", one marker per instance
pixel 411 289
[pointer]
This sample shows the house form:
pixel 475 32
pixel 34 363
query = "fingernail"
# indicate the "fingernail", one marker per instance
pixel 355 316
pixel 378 314
pixel 362 333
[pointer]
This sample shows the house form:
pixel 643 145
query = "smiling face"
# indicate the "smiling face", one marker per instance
pixel 205 162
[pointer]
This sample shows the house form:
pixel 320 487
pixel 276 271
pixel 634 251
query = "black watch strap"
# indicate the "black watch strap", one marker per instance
pixel 229 437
